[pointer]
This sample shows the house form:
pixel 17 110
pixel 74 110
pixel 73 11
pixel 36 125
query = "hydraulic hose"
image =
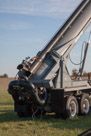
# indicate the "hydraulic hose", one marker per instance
pixel 19 84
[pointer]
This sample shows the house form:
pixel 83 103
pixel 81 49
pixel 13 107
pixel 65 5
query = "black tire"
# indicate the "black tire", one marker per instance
pixel 71 107
pixel 22 114
pixel 84 105
pixel 27 113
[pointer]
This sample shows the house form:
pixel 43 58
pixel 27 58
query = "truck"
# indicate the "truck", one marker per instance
pixel 45 84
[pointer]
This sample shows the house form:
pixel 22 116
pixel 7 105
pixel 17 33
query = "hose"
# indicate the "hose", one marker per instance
pixel 37 99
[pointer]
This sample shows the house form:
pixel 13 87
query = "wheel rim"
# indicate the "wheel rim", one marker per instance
pixel 86 106
pixel 72 108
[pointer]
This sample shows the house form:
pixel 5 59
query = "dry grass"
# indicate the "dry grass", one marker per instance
pixel 4 82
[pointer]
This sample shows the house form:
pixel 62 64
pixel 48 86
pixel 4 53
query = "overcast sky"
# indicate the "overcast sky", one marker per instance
pixel 26 26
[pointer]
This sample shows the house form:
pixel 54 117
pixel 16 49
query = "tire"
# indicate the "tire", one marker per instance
pixel 22 114
pixel 26 113
pixel 71 107
pixel 84 105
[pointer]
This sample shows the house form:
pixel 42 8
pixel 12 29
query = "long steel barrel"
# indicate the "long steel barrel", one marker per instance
pixel 53 42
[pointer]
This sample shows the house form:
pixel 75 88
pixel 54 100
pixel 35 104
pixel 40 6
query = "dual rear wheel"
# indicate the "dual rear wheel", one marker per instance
pixel 75 106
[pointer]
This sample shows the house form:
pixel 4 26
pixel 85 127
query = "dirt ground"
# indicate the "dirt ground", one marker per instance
pixel 5 81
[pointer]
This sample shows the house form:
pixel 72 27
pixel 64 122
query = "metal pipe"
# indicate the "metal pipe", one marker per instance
pixel 58 36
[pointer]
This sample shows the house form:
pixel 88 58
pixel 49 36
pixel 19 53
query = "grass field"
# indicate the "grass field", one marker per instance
pixel 11 125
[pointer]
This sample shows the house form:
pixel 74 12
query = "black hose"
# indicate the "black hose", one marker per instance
pixel 18 84
pixel 81 60
pixel 37 99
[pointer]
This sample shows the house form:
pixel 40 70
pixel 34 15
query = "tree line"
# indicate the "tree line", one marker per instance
pixel 4 76
pixel 75 73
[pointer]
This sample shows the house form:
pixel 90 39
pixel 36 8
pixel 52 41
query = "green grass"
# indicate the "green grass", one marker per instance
pixel 12 125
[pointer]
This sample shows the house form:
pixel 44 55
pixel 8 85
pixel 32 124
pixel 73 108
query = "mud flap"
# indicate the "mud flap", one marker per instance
pixel 57 101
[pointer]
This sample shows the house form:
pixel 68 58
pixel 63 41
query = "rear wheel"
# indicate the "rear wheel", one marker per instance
pixel 31 111
pixel 22 114
pixel 71 107
pixel 25 113
pixel 84 105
